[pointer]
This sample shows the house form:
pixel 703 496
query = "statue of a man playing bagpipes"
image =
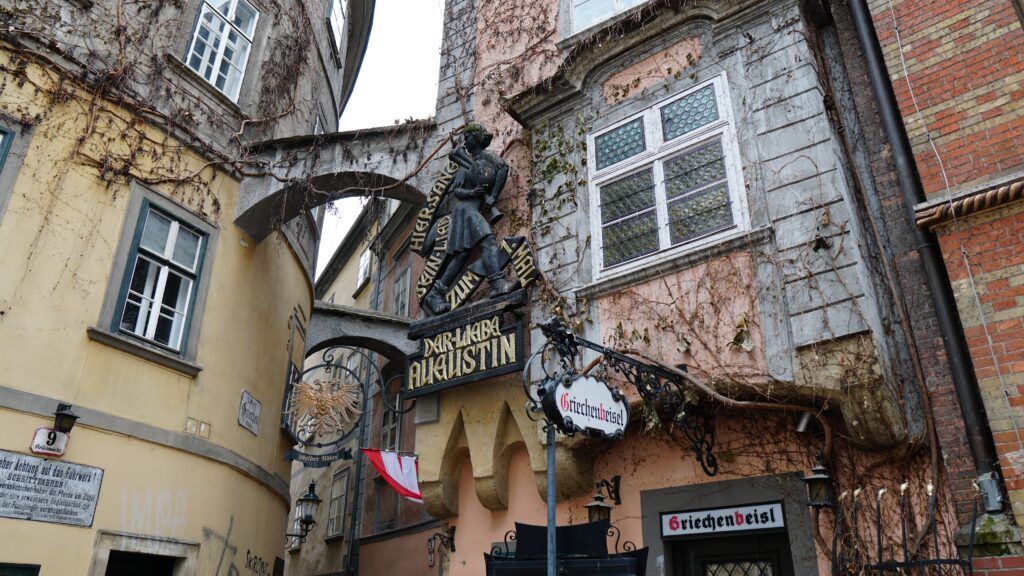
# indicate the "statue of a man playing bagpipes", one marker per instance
pixel 476 187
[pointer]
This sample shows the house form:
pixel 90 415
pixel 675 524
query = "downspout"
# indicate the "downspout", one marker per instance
pixel 979 437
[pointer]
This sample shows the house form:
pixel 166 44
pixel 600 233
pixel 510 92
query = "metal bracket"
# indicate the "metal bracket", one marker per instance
pixel 446 540
pixel 661 390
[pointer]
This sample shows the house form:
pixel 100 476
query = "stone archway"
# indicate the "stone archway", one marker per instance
pixel 306 171
pixel 334 325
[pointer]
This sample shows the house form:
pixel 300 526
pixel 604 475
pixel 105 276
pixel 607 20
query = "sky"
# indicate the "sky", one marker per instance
pixel 398 81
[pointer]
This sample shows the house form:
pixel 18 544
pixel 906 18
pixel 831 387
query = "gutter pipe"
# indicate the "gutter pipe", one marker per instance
pixel 979 437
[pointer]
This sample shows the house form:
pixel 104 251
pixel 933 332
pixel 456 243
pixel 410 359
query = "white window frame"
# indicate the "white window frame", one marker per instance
pixel 336 518
pixel 656 150
pixel 337 22
pixel 400 293
pixel 616 10
pixel 165 266
pixel 364 268
pixel 232 91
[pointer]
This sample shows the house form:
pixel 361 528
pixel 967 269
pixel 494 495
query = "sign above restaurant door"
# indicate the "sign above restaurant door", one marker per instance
pixel 730 520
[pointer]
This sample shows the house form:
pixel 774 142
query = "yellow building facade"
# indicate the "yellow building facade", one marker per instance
pixel 127 291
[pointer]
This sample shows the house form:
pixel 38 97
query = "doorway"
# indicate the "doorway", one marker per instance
pixel 134 564
pixel 747 555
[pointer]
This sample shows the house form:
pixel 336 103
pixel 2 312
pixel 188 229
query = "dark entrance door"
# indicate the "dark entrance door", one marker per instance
pixel 135 564
pixel 747 555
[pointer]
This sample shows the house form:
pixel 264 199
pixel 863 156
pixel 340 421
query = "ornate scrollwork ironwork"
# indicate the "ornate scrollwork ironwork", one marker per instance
pixel 660 389
pixel 699 429
pixel 627 546
pixel 504 550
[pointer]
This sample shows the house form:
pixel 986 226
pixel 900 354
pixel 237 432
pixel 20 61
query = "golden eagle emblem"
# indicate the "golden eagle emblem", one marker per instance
pixel 324 407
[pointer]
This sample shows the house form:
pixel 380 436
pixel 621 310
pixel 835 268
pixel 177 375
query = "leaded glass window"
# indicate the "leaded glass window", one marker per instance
pixel 689 113
pixel 619 144
pixel 665 178
pixel 221 42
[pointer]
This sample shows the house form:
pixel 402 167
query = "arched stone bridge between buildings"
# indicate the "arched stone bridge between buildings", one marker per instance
pixel 303 172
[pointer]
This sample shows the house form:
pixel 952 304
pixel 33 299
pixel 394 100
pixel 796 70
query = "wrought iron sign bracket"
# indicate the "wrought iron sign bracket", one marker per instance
pixel 661 390
pixel 446 539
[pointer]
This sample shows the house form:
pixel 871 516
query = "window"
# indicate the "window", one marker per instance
pixel 586 13
pixel 364 267
pixel 400 295
pixel 665 179
pixel 221 42
pixel 337 23
pixel 6 137
pixel 389 422
pixel 336 513
pixel 157 296
pixel 354 363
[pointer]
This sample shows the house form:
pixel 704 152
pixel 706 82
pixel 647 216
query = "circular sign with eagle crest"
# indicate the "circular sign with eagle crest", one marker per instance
pixel 324 404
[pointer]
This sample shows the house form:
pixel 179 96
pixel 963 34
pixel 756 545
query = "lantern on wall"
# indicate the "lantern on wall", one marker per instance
pixel 820 490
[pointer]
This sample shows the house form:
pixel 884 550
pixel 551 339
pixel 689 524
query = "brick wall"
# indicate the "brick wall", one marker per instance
pixel 992 242
pixel 999 566
pixel 965 60
pixel 900 247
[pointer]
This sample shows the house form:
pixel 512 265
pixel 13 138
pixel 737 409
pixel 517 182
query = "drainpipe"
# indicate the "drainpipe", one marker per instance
pixel 971 408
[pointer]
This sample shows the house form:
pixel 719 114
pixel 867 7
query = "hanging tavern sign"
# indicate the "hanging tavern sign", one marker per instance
pixel 462 342
pixel 477 348
pixel 585 405
pixel 324 404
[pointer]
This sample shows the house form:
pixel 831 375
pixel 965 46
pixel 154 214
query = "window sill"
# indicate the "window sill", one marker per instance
pixel 362 286
pixel 334 539
pixel 131 346
pixel 661 267
pixel 201 85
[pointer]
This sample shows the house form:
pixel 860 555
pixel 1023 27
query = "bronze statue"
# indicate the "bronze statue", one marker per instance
pixel 478 182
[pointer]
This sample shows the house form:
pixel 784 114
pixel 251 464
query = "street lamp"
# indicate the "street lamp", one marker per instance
pixel 598 510
pixel 819 486
pixel 64 419
pixel 305 512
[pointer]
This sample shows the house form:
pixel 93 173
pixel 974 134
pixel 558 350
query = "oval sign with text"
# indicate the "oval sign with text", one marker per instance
pixel 588 406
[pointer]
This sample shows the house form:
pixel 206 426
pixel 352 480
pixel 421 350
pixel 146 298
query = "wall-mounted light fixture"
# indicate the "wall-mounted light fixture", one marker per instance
pixel 820 490
pixel 64 419
pixel 305 513
pixel 447 540
pixel 598 509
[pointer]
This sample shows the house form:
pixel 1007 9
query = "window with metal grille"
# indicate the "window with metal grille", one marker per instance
pixel 740 568
pixel 587 13
pixel 158 294
pixel 336 513
pixel 221 42
pixel 665 179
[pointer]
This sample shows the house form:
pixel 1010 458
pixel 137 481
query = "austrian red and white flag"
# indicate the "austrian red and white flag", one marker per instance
pixel 399 471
